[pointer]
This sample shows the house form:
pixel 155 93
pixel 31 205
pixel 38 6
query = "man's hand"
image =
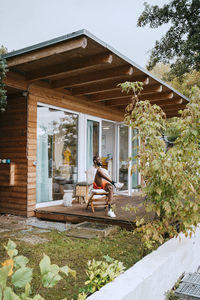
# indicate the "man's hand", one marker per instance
pixel 113 183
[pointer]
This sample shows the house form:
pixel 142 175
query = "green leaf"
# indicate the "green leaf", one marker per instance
pixel 11 245
pixel 10 295
pixel 21 277
pixel 72 272
pixel 45 264
pixel 65 270
pixel 4 275
pixel 38 297
pixel 27 289
pixel 21 261
pixel 54 269
pixel 12 253
pixel 50 280
pixel 108 258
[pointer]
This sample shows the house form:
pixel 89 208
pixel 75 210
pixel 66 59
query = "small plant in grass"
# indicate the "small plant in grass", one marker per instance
pixel 170 294
pixel 171 175
pixel 100 273
pixel 16 277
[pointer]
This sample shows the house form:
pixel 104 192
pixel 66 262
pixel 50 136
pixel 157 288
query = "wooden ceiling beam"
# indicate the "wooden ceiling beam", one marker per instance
pixel 156 88
pixel 164 103
pixel 155 96
pixel 110 95
pixel 170 102
pixel 92 77
pixel 173 108
pixel 80 42
pixel 108 85
pixel 125 100
pixel 75 65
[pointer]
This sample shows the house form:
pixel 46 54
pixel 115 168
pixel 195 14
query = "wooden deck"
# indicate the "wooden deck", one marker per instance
pixel 77 212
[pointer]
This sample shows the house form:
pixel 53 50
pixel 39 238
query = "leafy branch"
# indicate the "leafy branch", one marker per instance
pixel 171 175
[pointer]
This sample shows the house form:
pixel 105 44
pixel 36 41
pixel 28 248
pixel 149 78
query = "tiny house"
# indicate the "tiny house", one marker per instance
pixel 65 106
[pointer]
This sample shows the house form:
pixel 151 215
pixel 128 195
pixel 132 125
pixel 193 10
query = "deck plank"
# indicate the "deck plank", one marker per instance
pixel 78 213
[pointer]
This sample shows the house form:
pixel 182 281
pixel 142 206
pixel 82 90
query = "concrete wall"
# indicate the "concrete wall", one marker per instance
pixel 156 273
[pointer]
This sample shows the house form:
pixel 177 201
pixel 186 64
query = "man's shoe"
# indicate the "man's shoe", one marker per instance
pixel 111 214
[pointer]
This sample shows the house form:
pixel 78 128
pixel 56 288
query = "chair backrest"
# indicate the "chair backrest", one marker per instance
pixel 90 175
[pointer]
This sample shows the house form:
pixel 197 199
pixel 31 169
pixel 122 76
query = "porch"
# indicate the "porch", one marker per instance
pixel 77 212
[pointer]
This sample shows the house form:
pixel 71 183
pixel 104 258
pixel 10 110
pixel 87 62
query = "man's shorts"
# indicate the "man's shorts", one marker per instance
pixel 104 183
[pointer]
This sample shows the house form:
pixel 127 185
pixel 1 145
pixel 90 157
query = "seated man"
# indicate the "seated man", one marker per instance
pixel 103 181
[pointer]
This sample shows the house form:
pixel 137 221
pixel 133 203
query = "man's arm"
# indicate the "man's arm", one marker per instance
pixel 104 175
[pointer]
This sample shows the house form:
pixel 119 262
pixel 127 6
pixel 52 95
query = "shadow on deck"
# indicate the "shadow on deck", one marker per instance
pixel 77 212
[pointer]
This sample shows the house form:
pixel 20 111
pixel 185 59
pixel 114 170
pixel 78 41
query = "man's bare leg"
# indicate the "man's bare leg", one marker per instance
pixel 109 189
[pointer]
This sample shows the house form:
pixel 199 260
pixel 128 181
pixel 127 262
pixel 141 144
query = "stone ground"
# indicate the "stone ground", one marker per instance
pixel 27 230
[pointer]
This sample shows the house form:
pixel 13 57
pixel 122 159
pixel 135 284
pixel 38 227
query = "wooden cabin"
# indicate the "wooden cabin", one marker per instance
pixel 64 106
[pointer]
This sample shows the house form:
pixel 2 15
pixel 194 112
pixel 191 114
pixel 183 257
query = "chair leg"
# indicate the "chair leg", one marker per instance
pixel 92 206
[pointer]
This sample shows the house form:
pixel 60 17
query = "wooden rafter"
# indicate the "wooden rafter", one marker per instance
pixel 69 45
pixel 174 108
pixel 92 77
pixel 108 85
pixel 164 103
pixel 117 94
pixel 75 65
pixel 175 100
pixel 127 99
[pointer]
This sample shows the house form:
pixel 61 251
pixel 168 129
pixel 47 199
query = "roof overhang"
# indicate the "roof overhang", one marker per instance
pixel 84 67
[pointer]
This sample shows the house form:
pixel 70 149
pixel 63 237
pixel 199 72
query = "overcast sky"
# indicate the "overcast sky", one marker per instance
pixel 27 22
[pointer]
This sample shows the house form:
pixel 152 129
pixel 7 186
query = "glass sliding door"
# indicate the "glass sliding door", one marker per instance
pixel 57 147
pixel 108 147
pixel 123 155
pixel 93 133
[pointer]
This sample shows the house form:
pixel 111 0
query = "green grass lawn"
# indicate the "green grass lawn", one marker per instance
pixel 62 250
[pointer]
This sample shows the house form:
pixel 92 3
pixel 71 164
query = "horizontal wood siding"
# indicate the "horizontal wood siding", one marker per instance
pixel 13 137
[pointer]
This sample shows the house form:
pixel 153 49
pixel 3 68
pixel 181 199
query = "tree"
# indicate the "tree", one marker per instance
pixel 3 70
pixel 181 43
pixel 188 84
pixel 171 174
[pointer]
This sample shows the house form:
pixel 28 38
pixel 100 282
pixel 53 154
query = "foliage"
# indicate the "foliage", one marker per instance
pixel 100 273
pixel 182 40
pixel 171 176
pixel 3 70
pixel 187 84
pixel 16 276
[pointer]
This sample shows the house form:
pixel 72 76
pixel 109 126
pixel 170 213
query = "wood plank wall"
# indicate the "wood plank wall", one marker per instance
pixel 18 142
pixel 13 137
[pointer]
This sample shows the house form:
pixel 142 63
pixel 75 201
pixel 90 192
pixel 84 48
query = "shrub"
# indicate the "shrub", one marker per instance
pixel 100 273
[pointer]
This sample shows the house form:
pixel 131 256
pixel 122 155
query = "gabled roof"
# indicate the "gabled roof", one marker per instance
pixel 81 65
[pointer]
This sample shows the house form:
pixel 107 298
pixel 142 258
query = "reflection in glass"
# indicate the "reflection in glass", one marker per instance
pixel 123 155
pixel 56 153
pixel 92 141
pixel 108 146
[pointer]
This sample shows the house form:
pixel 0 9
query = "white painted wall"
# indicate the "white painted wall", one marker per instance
pixel 156 273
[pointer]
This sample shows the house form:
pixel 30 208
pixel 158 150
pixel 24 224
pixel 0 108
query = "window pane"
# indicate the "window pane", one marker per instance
pixel 56 153
pixel 92 141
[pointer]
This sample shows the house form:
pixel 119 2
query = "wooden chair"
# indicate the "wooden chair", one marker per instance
pixel 98 198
